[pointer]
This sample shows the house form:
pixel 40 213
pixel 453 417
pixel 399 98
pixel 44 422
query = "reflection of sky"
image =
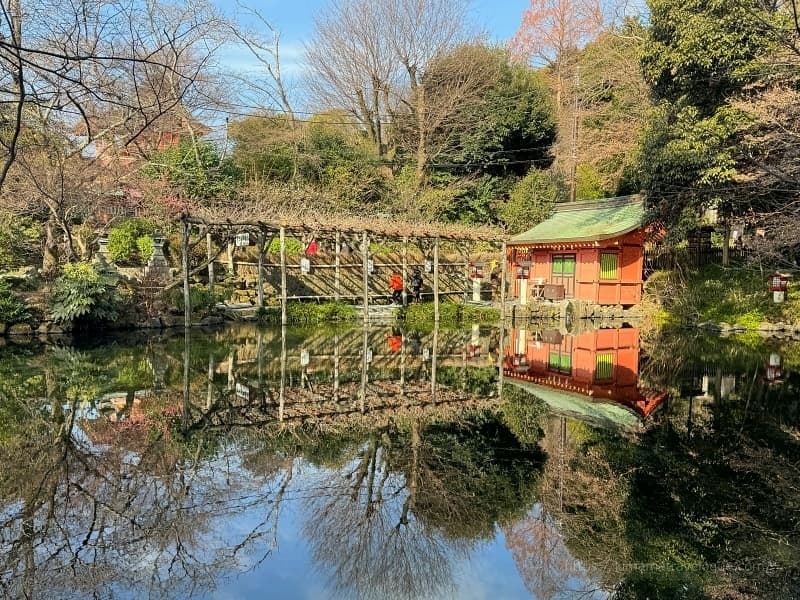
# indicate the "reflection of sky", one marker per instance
pixel 489 572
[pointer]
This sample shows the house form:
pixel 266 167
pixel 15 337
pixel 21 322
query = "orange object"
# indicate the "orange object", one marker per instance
pixel 396 283
pixel 395 342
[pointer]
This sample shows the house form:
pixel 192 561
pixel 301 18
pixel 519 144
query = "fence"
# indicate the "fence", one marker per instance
pixel 655 260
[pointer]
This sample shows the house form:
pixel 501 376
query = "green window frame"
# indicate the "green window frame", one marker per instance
pixel 563 264
pixel 604 366
pixel 609 265
pixel 561 362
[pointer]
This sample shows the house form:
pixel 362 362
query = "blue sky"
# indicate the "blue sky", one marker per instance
pixel 499 19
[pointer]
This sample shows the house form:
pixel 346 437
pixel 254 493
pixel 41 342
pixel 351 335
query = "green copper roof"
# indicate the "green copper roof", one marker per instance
pixel 587 221
pixel 608 415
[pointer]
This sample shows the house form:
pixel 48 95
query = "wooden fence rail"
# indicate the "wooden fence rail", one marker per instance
pixel 655 260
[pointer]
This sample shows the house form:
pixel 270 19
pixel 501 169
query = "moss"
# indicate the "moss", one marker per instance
pixel 721 295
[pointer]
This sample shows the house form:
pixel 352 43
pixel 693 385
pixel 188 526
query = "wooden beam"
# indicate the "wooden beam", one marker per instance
pixel 436 280
pixel 210 256
pixel 405 270
pixel 337 276
pixel 284 317
pixel 261 244
pixel 365 264
pixel 187 297
pixel 503 268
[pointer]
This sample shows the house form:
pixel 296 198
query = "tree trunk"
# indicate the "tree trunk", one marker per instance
pixel 726 244
pixel 422 158
pixel 50 258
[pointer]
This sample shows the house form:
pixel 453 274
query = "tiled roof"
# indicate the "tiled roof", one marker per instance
pixel 606 414
pixel 587 221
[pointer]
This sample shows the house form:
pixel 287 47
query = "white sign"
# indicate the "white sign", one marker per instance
pixel 428 266
pixel 305 358
pixel 369 355
pixel 426 354
pixel 243 390
pixel 305 265
pixel 242 239
pixel 370 265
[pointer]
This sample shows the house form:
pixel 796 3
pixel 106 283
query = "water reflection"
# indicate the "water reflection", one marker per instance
pixel 593 375
pixel 390 463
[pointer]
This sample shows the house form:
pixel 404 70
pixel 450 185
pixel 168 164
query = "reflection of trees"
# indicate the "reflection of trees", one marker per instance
pixel 544 560
pixel 98 505
pixel 134 499
pixel 355 529
pixel 707 507
pixel 545 563
pixel 414 498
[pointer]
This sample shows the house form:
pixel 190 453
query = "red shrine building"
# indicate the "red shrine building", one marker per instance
pixel 590 250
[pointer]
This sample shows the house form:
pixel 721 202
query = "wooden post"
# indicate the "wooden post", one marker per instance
pixel 364 370
pixel 337 276
pixel 436 280
pixel 231 251
pixel 503 267
pixel 501 342
pixel 282 391
pixel 433 360
pixel 210 254
pixel 261 242
pixel 210 395
pixel 336 361
pixel 187 350
pixel 284 318
pixel 365 263
pixel 187 297
pixel 405 270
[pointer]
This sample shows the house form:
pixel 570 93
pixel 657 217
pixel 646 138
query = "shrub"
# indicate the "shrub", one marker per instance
pixel 202 300
pixel 12 309
pixel 123 242
pixel 307 312
pixel 450 313
pixel 294 247
pixel 19 240
pixel 84 295
pixel 144 245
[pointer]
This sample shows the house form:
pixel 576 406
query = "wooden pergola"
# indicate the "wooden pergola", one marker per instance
pixel 355 232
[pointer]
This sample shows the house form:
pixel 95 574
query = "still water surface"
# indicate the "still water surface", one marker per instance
pixel 388 463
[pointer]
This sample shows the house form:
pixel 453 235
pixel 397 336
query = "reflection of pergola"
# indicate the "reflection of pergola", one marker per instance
pixel 351 232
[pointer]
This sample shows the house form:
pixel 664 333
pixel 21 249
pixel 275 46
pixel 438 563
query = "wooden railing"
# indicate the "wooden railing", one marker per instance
pixel 655 260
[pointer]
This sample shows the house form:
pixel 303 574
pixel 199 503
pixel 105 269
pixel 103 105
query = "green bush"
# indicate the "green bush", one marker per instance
pixel 294 247
pixel 19 240
pixel 12 309
pixel 450 313
pixel 307 312
pixel 82 295
pixel 145 247
pixel 124 246
pixel 202 300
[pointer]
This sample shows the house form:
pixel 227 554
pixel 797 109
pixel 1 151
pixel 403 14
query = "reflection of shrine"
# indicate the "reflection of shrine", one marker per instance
pixel 573 372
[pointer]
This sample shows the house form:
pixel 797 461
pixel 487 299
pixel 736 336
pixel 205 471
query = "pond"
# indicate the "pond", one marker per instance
pixel 392 463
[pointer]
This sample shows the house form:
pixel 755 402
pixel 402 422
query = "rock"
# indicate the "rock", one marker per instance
pixel 21 277
pixel 171 321
pixel 768 327
pixel 152 323
pixel 20 329
pixel 212 320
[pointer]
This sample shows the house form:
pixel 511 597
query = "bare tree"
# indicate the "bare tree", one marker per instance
pixel 370 58
pixel 111 77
